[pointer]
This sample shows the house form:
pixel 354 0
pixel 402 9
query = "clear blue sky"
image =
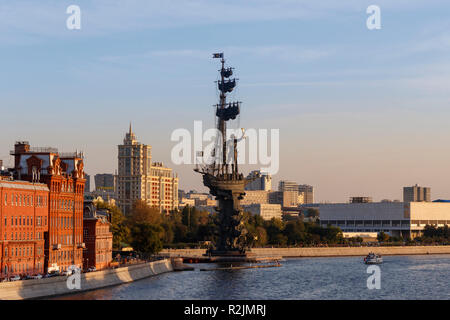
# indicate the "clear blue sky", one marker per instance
pixel 360 112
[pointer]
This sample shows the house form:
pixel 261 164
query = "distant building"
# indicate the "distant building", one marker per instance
pixel 105 181
pixel 140 179
pixel 255 196
pixel 186 202
pixel 197 195
pixel 266 211
pixel 416 194
pixel 181 194
pixel 105 186
pixel 395 218
pixel 285 185
pixel 260 181
pixel 307 192
pixel 97 237
pixel 87 185
pixel 360 199
pixel 287 199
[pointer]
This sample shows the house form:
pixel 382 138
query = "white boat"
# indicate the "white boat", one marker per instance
pixel 373 258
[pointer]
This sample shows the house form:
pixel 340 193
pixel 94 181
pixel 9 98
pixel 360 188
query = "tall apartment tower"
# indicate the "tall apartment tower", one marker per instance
pixel 140 179
pixel 416 194
pixel 261 181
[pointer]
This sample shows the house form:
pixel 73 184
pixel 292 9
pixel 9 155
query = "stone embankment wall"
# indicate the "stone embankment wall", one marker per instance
pixel 38 288
pixel 323 252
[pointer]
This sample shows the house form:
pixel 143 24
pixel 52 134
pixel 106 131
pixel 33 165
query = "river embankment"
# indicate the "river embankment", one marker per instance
pixel 321 251
pixel 47 287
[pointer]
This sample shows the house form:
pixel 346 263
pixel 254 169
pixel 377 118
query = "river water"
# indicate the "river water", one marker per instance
pixel 401 277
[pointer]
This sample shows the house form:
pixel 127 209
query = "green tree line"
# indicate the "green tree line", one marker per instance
pixel 147 230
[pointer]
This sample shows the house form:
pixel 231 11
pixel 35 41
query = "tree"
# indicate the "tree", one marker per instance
pixel 295 232
pixel 119 228
pixel 143 213
pixel 274 229
pixel 382 237
pixel 147 238
pixel 312 213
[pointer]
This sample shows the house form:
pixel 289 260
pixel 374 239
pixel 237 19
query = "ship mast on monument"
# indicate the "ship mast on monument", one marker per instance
pixel 222 177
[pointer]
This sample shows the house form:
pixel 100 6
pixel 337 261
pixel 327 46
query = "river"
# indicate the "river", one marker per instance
pixel 401 277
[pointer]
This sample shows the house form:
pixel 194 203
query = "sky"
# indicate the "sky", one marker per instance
pixel 360 112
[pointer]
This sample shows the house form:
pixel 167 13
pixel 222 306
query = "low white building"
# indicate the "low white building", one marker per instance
pixel 266 211
pixel 395 218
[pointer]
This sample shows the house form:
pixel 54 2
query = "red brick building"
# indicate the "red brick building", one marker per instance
pixel 64 176
pixel 97 236
pixel 23 227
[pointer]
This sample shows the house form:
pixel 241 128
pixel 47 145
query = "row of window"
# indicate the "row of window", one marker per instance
pixel 23 236
pixel 65 222
pixel 23 251
pixel 65 204
pixel 60 256
pixel 22 267
pixel 65 239
pixel 25 221
pixel 25 200
pixel 66 187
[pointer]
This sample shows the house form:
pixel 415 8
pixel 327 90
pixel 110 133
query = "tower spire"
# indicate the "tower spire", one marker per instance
pixel 130 128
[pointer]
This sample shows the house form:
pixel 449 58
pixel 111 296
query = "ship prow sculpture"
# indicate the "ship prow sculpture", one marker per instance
pixel 222 177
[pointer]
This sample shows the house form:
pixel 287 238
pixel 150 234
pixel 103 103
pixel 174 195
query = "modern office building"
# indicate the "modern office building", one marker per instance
pixel 23 227
pixel 63 173
pixel 260 181
pixel 140 179
pixel 307 192
pixel 266 211
pixel 416 194
pixel 395 218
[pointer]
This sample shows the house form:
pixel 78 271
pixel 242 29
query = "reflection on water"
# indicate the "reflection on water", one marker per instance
pixel 402 277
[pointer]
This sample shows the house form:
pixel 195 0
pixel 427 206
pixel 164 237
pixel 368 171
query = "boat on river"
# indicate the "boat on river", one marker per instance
pixel 373 258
